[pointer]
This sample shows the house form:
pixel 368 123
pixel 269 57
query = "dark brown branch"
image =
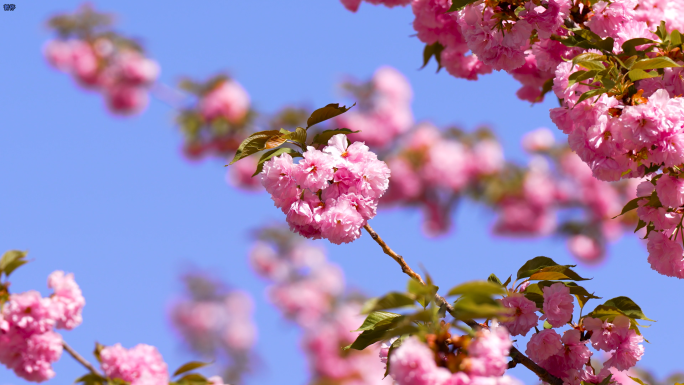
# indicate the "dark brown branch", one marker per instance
pixel 516 355
pixel 80 359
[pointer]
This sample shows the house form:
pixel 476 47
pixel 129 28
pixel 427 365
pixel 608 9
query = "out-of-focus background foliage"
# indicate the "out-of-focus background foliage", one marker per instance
pixel 112 199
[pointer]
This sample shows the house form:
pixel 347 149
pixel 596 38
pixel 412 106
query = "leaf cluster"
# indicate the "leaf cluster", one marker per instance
pixel 273 140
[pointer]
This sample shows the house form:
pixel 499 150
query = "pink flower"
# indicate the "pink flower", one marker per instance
pixel 217 380
pixel 543 345
pixel 488 352
pixel 413 363
pixel 546 20
pixel 265 262
pixel 670 191
pixel 540 139
pixel 240 174
pixel 605 335
pixel 31 357
pixel 447 165
pixel 229 101
pixel 374 178
pixel 585 248
pixel 628 352
pixel 68 299
pixel 524 318
pixel 85 64
pixel 28 313
pixel 58 54
pixel 278 179
pixel 558 304
pixel 300 215
pixel 489 156
pixel 132 68
pixel 141 365
pixel 340 222
pixel 661 218
pixel 315 170
pixel 665 255
pixel 645 189
pixel 126 99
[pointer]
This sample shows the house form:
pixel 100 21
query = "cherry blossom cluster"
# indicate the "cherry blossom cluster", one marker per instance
pixel 101 60
pixel 216 122
pixel 310 291
pixel 140 365
pixel 331 193
pixel 353 5
pixel 567 355
pixel 479 360
pixel 216 323
pixel 28 341
pixel 384 108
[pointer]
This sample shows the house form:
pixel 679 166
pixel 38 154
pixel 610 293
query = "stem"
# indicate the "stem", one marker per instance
pixel 516 355
pixel 80 359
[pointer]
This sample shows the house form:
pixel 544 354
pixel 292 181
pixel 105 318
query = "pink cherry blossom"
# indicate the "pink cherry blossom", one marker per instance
pixel 524 318
pixel 68 299
pixel 141 365
pixel 28 313
pixel 665 255
pixel 585 248
pixel 670 191
pixel 558 304
pixel 31 357
pixel 278 179
pixel 341 222
pixel 543 345
pixel 229 101
pixel 488 352
pixel 314 171
pixel 413 363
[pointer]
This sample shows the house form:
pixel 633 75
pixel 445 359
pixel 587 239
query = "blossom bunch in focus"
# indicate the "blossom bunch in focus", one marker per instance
pixel 422 348
pixel 216 323
pixel 28 341
pixel 101 60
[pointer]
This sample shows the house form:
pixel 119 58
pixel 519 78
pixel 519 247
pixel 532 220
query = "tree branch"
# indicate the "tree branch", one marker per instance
pixel 515 354
pixel 80 359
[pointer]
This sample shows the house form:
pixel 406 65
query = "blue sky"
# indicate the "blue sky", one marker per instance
pixel 112 200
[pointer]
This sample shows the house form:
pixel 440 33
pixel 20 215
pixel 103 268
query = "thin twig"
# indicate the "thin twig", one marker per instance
pixel 80 359
pixel 516 355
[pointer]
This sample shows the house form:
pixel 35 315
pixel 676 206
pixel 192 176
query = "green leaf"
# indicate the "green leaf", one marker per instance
pixel 546 88
pixel 377 318
pixel 635 379
pixel 630 61
pixel 397 343
pixel 91 379
pixel 273 153
pixel 397 326
pixel 391 300
pixel 640 225
pixel 588 56
pixel 97 351
pixel 474 306
pixel 430 51
pixel 193 379
pixel 592 65
pixel 661 32
pixel 657 62
pixel 254 143
pixel 559 272
pixel 579 76
pixel 494 279
pixel 638 74
pixel 328 112
pixel 190 366
pixel 629 47
pixel 676 38
pixel 325 136
pixel 628 307
pixel 457 5
pixel 299 136
pixel 505 284
pixel 535 264
pixel 547 325
pixel 424 294
pixel 631 205
pixel 535 294
pixel 591 93
pixel 484 288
